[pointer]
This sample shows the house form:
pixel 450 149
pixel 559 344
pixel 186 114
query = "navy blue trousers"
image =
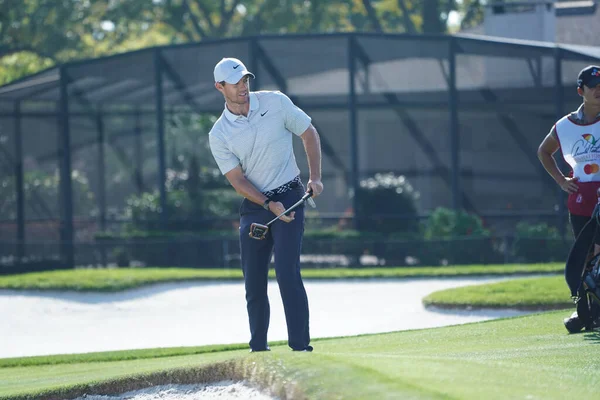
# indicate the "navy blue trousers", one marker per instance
pixel 284 239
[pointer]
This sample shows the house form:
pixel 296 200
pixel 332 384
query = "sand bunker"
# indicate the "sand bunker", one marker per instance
pixel 224 390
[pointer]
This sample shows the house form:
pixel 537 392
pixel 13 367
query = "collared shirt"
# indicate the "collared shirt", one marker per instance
pixel 254 104
pixel 578 117
pixel 575 116
pixel 260 143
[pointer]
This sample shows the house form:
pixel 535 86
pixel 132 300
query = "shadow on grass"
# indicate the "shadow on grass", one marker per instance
pixel 593 336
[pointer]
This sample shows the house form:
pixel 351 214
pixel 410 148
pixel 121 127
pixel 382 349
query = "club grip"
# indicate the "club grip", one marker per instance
pixel 308 194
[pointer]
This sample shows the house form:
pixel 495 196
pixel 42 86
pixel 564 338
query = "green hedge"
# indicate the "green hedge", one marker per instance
pixel 447 237
pixel 539 243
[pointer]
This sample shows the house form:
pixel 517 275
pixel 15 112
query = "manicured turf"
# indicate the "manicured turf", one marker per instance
pixel 127 278
pixel 547 292
pixel 526 357
pixel 122 355
pixel 529 357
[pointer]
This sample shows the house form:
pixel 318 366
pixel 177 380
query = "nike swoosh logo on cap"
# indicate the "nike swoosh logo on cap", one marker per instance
pixel 236 66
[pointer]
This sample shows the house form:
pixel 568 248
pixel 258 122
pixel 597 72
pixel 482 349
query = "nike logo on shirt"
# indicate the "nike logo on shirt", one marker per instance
pixel 263 114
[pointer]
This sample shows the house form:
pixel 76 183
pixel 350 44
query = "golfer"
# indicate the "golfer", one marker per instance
pixel 577 135
pixel 251 143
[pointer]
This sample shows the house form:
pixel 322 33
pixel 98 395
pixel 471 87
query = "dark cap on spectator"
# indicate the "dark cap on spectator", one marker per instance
pixel 589 76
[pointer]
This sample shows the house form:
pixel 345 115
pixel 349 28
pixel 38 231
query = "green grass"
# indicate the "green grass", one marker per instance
pixel 549 292
pixel 39 379
pixel 127 278
pixel 530 357
pixel 121 355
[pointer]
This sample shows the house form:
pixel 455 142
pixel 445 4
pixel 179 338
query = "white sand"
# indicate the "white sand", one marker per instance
pixel 225 390
pixel 196 314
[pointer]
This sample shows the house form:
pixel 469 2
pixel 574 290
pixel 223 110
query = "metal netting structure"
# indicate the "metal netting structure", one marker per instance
pixel 459 116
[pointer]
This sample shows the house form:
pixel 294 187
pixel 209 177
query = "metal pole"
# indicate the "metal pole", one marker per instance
pixel 559 112
pixel 352 110
pixel 19 184
pixel 139 176
pixel 454 128
pixel 101 182
pixel 254 64
pixel 101 172
pixel 160 132
pixel 66 189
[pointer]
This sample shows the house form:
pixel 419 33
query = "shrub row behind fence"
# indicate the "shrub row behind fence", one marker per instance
pixel 202 252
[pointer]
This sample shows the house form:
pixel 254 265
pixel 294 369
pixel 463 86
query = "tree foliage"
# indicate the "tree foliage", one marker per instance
pixel 41 191
pixel 63 30
pixel 36 34
pixel 472 13
pixel 392 199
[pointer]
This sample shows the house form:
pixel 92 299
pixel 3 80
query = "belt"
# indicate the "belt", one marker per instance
pixel 286 187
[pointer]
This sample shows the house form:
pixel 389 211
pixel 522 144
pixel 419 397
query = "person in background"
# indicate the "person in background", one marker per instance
pixel 577 136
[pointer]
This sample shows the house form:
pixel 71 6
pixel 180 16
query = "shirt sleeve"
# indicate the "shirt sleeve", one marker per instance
pixel 226 160
pixel 295 120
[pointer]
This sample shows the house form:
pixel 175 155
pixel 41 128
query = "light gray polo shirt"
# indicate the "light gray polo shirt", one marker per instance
pixel 262 142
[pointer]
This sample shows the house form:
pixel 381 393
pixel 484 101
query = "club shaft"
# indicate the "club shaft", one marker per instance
pixel 293 207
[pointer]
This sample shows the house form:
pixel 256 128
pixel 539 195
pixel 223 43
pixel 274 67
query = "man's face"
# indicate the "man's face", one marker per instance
pixel 591 95
pixel 235 93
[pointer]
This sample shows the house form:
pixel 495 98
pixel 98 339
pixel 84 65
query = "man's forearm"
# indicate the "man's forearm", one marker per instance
pixel 245 188
pixel 312 146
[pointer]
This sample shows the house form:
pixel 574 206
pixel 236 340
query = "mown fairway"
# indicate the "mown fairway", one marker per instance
pixel 528 357
pixel 545 292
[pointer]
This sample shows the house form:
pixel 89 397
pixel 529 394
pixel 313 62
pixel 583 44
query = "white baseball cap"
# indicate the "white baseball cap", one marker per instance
pixel 230 70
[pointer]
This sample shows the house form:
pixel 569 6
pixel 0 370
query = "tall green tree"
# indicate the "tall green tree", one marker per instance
pixel 193 20
pixel 52 29
pixel 472 13
pixel 62 30
pixel 36 34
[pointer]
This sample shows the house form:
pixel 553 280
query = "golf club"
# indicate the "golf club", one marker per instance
pixel 259 231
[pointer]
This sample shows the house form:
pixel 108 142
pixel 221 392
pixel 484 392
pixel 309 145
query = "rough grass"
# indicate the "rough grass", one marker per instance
pixel 109 280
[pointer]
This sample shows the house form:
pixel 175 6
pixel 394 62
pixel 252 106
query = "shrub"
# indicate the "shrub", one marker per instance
pixel 539 243
pixel 121 257
pixel 457 237
pixel 184 213
pixel 389 203
pixel 444 223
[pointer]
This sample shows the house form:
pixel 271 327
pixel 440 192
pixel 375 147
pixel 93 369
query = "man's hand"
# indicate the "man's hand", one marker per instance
pixel 569 185
pixel 316 185
pixel 278 208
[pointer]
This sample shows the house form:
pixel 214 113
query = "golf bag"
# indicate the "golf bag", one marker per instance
pixel 582 275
